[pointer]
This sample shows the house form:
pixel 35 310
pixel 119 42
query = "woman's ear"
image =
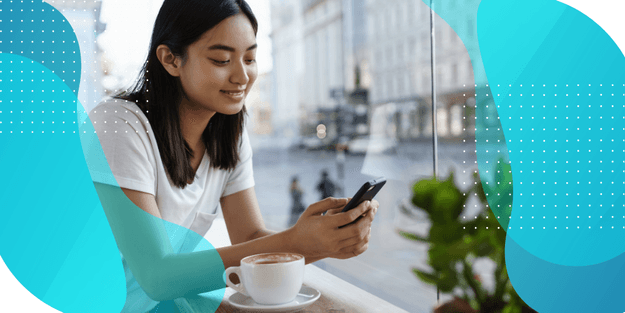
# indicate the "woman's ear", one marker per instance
pixel 170 62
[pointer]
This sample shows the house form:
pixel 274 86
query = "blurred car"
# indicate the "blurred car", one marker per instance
pixel 362 145
pixel 358 145
pixel 312 143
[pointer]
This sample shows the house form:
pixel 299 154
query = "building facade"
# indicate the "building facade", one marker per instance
pixel 319 62
pixel 288 66
pixel 400 56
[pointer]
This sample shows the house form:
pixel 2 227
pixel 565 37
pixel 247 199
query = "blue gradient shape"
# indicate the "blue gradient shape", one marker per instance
pixel 547 42
pixel 55 237
pixel 565 145
pixel 142 225
pixel 566 150
pixel 38 31
pixel 549 287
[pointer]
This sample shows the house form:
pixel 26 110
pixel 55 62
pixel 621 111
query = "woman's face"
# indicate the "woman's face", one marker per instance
pixel 220 67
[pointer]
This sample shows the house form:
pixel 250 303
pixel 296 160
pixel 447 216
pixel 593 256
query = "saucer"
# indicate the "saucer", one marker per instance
pixel 305 297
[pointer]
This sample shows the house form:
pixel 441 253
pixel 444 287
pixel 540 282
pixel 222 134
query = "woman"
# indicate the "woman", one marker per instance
pixel 178 149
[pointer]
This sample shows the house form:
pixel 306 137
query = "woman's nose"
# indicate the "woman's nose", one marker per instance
pixel 239 75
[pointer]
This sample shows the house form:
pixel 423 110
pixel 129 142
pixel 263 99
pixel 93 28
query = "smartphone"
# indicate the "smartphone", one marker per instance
pixel 366 192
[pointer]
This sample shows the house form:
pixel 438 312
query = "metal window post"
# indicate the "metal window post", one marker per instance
pixel 434 128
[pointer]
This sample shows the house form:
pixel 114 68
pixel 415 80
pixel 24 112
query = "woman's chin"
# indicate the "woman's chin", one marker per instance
pixel 232 109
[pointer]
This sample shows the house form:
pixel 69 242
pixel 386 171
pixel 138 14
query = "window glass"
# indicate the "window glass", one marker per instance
pixel 356 108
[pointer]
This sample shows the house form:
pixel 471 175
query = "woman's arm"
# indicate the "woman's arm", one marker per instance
pixel 314 236
pixel 242 216
pixel 247 230
pixel 164 274
pixel 142 239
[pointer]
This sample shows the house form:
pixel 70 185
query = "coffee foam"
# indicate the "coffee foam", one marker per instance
pixel 272 257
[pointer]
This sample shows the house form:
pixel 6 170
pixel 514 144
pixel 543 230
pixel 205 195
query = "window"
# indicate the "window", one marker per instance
pixel 394 116
pixel 410 13
pixel 400 85
pixel 425 43
pixel 412 50
pixel 406 82
pixel 454 75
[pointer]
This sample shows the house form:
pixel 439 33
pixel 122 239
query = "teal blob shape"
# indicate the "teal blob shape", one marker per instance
pixel 560 94
pixel 546 42
pixel 189 263
pixel 38 31
pixel 73 276
pixel 549 287
pixel 56 239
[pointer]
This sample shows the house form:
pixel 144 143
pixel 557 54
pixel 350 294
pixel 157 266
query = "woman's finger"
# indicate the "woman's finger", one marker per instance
pixel 355 249
pixel 358 229
pixel 364 236
pixel 334 211
pixel 326 204
pixel 345 218
pixel 337 210
pixel 371 213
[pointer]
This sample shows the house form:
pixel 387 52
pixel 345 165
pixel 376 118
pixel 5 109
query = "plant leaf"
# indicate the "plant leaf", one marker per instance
pixel 412 236
pixel 425 277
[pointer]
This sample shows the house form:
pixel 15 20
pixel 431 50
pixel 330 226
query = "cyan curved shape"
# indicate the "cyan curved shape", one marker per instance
pixel 558 84
pixel 549 287
pixel 560 91
pixel 167 260
pixel 55 237
pixel 565 147
pixel 38 31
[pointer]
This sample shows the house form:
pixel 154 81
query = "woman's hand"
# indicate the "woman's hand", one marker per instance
pixel 318 236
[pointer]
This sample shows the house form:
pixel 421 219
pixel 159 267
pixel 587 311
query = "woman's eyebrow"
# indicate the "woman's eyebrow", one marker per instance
pixel 231 49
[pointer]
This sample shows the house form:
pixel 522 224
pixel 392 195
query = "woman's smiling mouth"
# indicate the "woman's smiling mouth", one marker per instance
pixel 237 94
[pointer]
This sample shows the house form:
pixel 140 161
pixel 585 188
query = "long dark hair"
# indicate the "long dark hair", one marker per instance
pixel 180 23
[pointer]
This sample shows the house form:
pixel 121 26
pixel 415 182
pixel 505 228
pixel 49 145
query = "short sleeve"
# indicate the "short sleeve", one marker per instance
pixel 123 135
pixel 242 177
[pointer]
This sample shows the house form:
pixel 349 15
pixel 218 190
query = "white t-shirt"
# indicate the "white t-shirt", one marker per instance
pixel 132 153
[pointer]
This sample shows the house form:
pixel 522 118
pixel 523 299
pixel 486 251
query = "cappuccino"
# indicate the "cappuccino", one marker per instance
pixel 269 278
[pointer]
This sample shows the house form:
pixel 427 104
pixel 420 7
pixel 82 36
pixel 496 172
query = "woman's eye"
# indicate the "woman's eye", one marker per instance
pixel 251 60
pixel 220 62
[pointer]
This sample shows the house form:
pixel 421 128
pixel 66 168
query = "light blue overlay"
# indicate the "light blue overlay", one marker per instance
pixel 55 237
pixel 555 78
pixel 559 86
pixel 54 234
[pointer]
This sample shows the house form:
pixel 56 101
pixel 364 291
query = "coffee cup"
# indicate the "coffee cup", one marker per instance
pixel 269 278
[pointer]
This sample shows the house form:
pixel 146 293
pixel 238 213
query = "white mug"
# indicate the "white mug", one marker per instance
pixel 269 278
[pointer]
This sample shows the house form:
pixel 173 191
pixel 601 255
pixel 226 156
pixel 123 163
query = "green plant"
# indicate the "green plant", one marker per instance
pixel 457 241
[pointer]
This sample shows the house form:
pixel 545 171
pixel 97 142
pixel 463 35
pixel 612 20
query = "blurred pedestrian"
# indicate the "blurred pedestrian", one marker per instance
pixel 325 186
pixel 297 207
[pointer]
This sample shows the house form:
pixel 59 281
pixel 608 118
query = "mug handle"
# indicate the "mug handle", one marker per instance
pixel 238 287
